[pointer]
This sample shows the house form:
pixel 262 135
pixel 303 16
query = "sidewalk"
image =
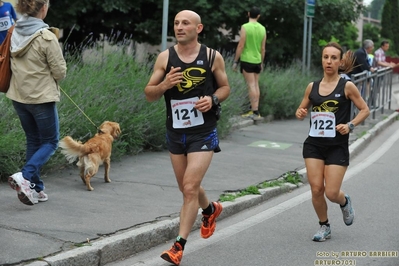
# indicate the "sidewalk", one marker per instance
pixel 139 209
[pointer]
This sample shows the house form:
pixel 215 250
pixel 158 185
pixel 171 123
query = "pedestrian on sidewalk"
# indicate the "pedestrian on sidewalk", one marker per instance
pixel 37 65
pixel 251 50
pixel 192 87
pixel 326 149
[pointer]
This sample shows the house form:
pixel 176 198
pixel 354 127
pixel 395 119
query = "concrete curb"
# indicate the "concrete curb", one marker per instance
pixel 130 242
pixel 127 243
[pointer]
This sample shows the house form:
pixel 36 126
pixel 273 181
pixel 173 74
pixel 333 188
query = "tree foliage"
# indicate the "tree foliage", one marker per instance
pixel 375 9
pixel 390 23
pixel 141 21
pixel 371 32
pixel 386 29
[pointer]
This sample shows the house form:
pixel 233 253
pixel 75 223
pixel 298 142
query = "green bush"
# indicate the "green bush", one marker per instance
pixel 282 91
pixel 109 85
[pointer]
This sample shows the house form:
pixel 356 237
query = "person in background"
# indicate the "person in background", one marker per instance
pixel 362 63
pixel 326 149
pixel 7 19
pixel 192 86
pixel 251 51
pixel 37 65
pixel 361 58
pixel 380 58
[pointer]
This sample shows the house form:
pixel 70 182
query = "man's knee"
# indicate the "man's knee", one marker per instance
pixel 190 190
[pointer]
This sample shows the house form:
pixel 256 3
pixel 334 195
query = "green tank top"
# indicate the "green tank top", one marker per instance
pixel 255 32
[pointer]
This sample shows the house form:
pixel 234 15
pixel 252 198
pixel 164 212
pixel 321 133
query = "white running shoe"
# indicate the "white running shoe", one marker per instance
pixel 348 212
pixel 322 234
pixel 16 181
pixel 40 196
pixel 23 188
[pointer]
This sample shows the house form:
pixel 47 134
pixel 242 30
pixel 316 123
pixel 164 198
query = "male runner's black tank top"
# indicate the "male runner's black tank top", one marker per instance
pixel 197 81
pixel 337 103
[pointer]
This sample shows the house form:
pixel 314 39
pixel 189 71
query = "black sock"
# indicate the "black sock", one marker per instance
pixel 256 112
pixel 346 202
pixel 181 241
pixel 324 223
pixel 208 210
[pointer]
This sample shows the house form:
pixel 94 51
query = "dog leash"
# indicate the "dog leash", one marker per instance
pixel 99 130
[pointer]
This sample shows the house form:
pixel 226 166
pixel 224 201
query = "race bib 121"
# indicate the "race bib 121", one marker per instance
pixel 184 114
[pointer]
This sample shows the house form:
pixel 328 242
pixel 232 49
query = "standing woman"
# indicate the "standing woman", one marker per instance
pixel 37 66
pixel 326 150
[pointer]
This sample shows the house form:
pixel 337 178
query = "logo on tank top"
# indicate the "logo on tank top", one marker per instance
pixel 192 77
pixel 327 106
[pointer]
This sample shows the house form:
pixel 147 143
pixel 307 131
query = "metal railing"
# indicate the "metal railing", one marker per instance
pixel 375 88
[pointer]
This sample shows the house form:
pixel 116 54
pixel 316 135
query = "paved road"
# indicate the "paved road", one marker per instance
pixel 279 231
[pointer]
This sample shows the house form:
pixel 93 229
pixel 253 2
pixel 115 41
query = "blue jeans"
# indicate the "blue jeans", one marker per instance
pixel 41 126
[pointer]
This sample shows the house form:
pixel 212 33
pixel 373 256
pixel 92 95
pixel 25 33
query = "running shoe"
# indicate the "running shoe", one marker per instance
pixel 257 117
pixel 252 115
pixel 209 221
pixel 15 181
pixel 322 234
pixel 23 188
pixel 174 254
pixel 40 196
pixel 249 114
pixel 348 212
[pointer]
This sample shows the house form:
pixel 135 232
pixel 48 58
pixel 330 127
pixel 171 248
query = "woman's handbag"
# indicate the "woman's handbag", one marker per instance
pixel 5 68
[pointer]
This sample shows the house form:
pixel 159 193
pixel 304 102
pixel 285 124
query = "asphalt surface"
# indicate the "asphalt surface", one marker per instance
pixel 139 208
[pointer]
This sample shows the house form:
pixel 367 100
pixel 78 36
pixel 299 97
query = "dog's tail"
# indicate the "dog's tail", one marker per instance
pixel 71 148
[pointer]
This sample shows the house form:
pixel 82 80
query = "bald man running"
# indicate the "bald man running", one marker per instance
pixel 192 85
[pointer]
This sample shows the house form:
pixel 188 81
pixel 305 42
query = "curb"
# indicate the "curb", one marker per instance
pixel 127 243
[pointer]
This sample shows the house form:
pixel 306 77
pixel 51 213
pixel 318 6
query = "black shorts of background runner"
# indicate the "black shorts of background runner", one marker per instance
pixel 250 68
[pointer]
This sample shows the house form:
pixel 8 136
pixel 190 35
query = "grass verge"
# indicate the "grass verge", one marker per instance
pixel 291 177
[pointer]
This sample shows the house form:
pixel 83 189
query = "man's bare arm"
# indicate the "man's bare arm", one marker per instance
pixel 159 83
pixel 241 44
pixel 219 71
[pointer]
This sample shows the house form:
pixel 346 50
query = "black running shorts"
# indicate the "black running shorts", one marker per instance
pixel 336 154
pixel 250 68
pixel 181 143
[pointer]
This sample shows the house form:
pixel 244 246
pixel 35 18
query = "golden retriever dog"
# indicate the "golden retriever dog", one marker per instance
pixel 93 153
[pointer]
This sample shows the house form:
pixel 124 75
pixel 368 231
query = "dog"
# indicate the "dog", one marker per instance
pixel 93 153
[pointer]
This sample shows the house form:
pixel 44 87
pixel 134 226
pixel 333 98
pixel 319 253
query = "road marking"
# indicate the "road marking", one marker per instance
pixel 373 157
pixel 276 210
pixel 270 145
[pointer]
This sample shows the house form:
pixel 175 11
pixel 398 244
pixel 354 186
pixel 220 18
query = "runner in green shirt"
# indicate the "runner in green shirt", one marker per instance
pixel 251 51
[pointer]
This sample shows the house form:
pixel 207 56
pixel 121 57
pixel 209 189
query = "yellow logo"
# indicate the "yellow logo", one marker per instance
pixel 192 77
pixel 327 106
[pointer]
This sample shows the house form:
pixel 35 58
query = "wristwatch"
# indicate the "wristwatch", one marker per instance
pixel 215 100
pixel 351 127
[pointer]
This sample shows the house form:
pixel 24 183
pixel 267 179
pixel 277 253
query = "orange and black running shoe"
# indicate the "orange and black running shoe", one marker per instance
pixel 174 254
pixel 209 221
